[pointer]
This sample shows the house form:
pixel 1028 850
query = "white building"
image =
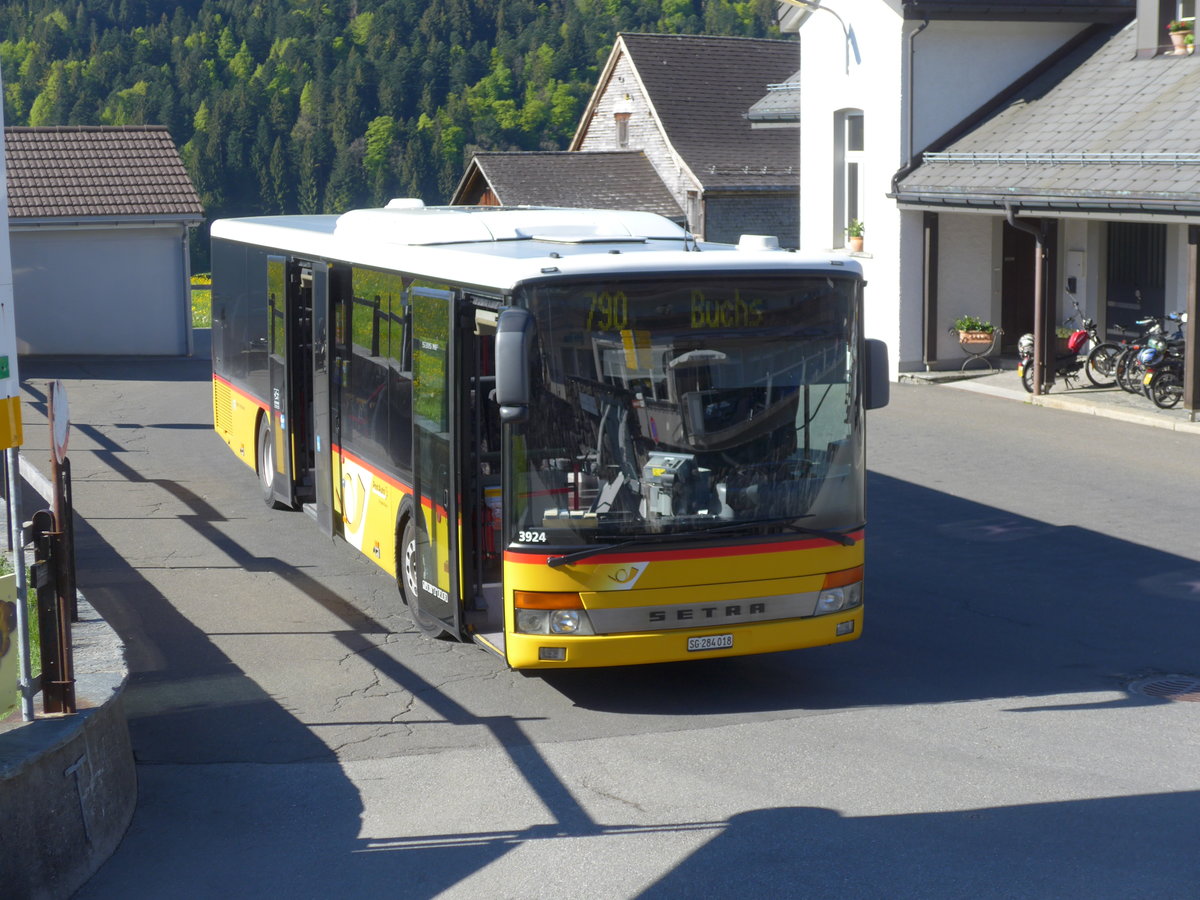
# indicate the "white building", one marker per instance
pixel 99 220
pixel 935 123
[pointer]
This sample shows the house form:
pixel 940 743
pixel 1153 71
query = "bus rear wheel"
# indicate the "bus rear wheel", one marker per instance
pixel 266 462
pixel 422 621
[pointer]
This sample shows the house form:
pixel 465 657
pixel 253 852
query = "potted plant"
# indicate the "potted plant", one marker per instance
pixel 1180 30
pixel 973 330
pixel 854 231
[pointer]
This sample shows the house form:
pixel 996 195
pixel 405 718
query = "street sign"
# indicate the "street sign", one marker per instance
pixel 10 385
pixel 60 420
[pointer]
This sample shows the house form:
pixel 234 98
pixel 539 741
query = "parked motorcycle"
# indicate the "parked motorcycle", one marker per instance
pixel 1163 378
pixel 1066 366
pixel 1128 367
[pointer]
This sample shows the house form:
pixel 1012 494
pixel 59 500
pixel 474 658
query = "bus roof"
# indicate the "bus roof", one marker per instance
pixel 500 247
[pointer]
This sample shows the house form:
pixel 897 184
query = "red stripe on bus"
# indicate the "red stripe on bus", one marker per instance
pixel 359 461
pixel 533 556
pixel 261 404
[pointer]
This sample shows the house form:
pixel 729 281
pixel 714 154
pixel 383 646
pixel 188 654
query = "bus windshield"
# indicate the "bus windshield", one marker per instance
pixel 675 406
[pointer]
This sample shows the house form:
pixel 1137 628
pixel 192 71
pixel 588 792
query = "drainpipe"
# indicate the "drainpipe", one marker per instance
pixel 909 104
pixel 1039 296
pixel 929 234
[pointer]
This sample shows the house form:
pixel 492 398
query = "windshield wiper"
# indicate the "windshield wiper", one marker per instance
pixel 841 537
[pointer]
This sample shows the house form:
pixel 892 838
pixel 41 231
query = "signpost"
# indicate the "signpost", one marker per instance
pixel 10 433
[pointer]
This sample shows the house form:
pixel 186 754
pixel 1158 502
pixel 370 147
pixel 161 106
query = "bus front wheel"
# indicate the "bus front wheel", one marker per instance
pixel 422 621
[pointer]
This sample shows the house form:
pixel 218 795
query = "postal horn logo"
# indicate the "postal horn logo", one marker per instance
pixel 625 575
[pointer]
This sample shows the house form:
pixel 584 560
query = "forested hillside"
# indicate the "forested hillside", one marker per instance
pixel 300 105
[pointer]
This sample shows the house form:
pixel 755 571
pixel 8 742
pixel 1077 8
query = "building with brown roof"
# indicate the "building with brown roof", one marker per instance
pixel 621 179
pixel 681 103
pixel 98 224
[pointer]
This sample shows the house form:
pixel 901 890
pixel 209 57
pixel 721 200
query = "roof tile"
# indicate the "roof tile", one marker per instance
pixel 622 179
pixel 95 171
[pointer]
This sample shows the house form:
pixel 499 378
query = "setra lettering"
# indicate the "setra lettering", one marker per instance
pixel 689 613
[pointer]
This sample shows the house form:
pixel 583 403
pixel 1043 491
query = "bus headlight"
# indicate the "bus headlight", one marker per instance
pixel 550 613
pixel 565 621
pixel 836 599
pixel 533 621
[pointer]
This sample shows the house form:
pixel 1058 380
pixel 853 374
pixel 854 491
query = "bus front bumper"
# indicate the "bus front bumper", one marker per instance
pixel 540 651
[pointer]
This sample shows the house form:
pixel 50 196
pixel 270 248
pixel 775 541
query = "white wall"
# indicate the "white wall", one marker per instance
pixel 870 82
pixel 968 282
pixel 119 291
pixel 956 68
pixel 959 66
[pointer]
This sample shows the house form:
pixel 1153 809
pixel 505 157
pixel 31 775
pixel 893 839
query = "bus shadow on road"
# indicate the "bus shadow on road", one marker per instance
pixel 964 601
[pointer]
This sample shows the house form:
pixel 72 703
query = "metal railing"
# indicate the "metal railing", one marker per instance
pixel 1064 159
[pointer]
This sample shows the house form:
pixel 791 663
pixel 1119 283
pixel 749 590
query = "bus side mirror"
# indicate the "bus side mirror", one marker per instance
pixel 875 375
pixel 514 342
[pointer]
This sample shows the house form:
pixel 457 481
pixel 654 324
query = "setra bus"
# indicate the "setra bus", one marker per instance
pixel 576 437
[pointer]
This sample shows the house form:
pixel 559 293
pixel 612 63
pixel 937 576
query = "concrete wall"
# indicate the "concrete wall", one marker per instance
pixel 68 783
pixel 89 291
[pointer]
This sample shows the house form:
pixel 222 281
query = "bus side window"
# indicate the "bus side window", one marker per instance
pixel 400 385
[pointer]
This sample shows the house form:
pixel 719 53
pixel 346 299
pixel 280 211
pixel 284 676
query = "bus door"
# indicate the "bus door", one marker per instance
pixel 322 440
pixel 298 294
pixel 435 409
pixel 280 312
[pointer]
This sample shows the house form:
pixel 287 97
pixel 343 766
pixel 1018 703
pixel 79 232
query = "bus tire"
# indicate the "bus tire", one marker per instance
pixel 406 563
pixel 265 456
pixel 408 574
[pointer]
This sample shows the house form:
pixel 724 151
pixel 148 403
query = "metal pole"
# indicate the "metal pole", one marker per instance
pixel 18 542
pixel 7 508
pixel 1039 314
pixel 1191 365
pixel 59 561
pixel 1039 295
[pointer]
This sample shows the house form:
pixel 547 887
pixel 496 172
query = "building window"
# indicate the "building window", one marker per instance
pixel 849 157
pixel 622 123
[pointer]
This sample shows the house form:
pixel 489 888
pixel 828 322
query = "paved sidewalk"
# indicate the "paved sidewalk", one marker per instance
pixel 1109 402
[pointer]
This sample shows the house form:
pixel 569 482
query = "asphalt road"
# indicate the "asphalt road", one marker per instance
pixel 1028 569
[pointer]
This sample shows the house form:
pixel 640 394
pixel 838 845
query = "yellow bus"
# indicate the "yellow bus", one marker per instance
pixel 576 437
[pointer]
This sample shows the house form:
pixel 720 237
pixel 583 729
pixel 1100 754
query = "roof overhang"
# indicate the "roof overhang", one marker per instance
pixel 16 223
pixel 1160 209
pixel 1019 11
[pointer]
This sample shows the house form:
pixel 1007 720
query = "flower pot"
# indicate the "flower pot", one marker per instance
pixel 856 245
pixel 975 337
pixel 1178 41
